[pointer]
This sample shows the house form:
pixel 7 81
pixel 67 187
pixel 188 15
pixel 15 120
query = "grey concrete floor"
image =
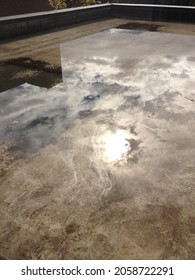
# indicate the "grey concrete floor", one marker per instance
pixel 101 166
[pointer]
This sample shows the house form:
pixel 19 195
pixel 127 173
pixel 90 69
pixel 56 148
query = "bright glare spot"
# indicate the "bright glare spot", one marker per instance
pixel 116 146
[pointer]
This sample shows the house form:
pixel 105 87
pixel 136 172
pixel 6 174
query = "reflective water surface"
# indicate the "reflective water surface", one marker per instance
pixel 108 166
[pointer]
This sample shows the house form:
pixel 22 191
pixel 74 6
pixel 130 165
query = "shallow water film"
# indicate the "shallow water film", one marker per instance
pixel 101 166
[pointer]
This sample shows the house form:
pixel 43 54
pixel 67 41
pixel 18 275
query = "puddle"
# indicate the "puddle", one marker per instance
pixel 95 81
pixel 140 26
pixel 108 153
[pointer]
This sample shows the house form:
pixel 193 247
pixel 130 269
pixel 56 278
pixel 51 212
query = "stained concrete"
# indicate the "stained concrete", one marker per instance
pixel 108 164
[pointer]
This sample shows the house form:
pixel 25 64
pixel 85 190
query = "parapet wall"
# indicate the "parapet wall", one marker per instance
pixel 154 12
pixel 36 22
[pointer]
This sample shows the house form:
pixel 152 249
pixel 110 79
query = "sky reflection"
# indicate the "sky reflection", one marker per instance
pixel 115 145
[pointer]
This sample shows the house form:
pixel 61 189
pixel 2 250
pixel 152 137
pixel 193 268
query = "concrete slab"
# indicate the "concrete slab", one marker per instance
pixel 108 170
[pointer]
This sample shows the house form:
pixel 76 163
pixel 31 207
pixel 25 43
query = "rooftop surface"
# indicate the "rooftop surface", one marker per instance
pixel 36 59
pixel 101 166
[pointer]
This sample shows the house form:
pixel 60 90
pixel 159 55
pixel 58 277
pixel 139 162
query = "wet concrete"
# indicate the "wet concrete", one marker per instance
pixel 15 72
pixel 108 170
pixel 36 59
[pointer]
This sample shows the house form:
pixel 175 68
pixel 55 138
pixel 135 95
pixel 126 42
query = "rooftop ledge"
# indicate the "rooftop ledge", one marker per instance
pixel 153 6
pixel 55 12
pixel 18 25
pixel 62 11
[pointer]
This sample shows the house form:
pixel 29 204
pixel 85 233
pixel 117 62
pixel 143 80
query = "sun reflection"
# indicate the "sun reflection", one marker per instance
pixel 116 146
